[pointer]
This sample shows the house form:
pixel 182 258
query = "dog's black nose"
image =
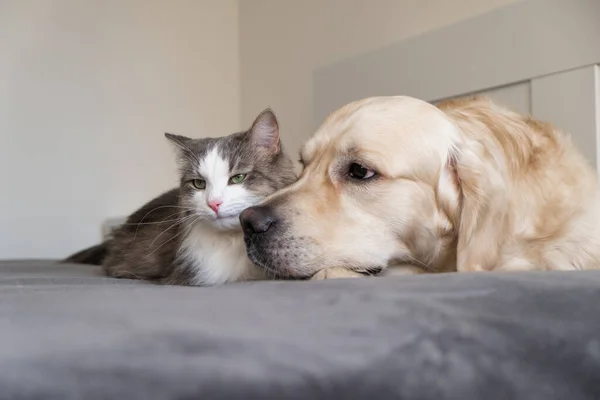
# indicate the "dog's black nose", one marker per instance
pixel 257 220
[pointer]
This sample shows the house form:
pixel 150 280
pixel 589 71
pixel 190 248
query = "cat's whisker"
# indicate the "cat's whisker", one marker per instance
pixel 151 223
pixel 420 263
pixel 182 210
pixel 191 225
pixel 131 275
pixel 186 230
pixel 158 208
pixel 179 221
pixel 185 208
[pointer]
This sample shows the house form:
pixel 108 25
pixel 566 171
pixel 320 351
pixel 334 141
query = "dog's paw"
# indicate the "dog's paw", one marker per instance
pixel 335 273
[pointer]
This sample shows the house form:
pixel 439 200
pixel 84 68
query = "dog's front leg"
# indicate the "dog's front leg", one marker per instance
pixel 402 269
pixel 334 273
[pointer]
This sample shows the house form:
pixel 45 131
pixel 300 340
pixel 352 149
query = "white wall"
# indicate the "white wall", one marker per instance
pixel 87 89
pixel 284 41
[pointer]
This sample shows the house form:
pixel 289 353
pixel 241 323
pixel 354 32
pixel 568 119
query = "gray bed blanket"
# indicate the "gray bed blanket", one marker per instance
pixel 66 332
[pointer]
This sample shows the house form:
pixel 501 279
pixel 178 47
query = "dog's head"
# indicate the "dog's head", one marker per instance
pixel 377 189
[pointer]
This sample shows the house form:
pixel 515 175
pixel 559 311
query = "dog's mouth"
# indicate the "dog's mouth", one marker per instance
pixel 282 270
pixel 371 271
pixel 274 266
pixel 273 272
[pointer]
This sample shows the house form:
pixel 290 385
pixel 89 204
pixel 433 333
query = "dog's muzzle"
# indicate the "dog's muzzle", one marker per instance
pixel 264 239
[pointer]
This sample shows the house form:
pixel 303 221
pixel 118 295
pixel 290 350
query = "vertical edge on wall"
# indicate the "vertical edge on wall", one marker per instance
pixel 597 107
pixel 569 100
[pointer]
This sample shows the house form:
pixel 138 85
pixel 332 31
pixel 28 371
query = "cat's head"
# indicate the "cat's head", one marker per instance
pixel 220 177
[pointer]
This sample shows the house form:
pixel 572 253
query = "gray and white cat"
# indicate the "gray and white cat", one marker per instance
pixel 191 235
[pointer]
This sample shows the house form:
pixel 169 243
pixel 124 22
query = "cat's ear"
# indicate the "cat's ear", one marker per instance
pixel 181 143
pixel 265 131
pixel 178 140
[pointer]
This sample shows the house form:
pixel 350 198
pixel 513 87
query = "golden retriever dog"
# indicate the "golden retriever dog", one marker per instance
pixel 398 184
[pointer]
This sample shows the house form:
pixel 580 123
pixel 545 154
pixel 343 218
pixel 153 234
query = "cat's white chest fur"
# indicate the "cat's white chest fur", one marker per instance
pixel 217 257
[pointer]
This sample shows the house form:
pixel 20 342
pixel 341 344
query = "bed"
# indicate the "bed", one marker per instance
pixel 67 332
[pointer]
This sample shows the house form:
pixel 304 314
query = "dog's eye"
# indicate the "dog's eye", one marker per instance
pixel 358 171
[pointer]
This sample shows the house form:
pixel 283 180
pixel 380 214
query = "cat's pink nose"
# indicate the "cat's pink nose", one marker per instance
pixel 215 204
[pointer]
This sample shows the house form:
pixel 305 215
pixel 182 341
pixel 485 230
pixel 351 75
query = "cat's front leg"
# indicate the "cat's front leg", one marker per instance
pixel 335 273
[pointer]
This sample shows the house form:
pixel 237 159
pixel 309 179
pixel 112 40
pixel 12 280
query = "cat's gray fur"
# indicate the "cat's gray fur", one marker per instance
pixel 148 245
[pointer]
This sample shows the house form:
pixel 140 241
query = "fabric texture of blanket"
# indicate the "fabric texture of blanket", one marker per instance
pixel 67 332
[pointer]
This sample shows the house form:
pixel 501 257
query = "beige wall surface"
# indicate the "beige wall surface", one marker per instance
pixel 282 42
pixel 87 89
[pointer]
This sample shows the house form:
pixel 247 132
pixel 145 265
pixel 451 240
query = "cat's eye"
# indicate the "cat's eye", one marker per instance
pixel 199 184
pixel 239 178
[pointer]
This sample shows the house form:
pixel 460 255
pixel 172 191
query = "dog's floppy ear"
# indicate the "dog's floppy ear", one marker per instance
pixel 483 204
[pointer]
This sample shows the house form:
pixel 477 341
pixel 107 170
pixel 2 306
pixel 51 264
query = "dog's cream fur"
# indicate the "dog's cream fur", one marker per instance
pixel 464 186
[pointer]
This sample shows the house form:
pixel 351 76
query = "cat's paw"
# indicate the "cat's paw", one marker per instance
pixel 335 273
